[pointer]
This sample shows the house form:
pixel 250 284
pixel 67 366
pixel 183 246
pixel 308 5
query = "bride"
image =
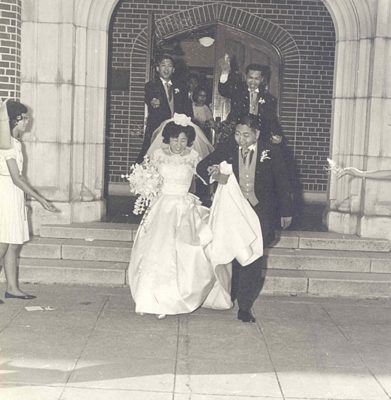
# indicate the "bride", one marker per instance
pixel 175 264
pixel 169 272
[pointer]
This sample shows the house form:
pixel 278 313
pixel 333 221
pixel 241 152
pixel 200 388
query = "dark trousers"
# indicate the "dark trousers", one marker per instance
pixel 247 282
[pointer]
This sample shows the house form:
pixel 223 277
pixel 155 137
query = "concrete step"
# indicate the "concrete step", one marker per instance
pixel 48 271
pixel 91 231
pixel 287 239
pixel 330 241
pixel 278 257
pixel 327 260
pixel 77 249
pixel 327 284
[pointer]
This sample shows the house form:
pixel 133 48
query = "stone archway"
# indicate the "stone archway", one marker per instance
pixel 241 20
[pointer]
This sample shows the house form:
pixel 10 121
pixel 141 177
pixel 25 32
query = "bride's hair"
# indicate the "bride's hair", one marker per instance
pixel 172 130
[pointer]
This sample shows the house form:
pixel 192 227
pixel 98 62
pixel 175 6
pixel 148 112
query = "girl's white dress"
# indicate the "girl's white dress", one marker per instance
pixel 13 216
pixel 169 272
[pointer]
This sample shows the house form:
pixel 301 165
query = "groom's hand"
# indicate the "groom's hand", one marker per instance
pixel 285 222
pixel 155 103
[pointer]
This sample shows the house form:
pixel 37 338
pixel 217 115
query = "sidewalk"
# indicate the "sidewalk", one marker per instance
pixel 92 345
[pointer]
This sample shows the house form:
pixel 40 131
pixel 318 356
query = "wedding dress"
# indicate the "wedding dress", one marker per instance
pixel 169 272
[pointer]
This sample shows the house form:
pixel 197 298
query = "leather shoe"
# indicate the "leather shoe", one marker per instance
pixel 246 316
pixel 1 302
pixel 21 297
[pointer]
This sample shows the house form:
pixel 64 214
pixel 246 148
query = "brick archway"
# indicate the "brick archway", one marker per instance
pixel 241 20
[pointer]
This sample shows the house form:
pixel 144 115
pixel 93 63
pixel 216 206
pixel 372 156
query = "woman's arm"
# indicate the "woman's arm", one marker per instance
pixel 381 174
pixel 21 183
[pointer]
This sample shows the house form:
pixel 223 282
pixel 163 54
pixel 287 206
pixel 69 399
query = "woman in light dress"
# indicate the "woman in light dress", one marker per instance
pixel 169 272
pixel 13 186
pixel 202 114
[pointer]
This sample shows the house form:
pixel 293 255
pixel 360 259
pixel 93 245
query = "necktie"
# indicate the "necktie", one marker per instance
pixel 246 155
pixel 169 91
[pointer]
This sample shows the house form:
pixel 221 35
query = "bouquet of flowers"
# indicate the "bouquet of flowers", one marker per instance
pixel 145 181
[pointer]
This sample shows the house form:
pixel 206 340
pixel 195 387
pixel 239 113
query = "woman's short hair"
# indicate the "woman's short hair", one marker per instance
pixel 15 110
pixel 197 91
pixel 172 130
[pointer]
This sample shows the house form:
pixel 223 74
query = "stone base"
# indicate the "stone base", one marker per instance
pixel 82 211
pixel 367 226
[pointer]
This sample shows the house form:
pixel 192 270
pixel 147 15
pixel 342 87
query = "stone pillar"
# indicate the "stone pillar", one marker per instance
pixel 64 64
pixel 362 123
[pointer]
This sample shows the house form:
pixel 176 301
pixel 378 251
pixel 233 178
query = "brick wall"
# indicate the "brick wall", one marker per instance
pixel 10 12
pixel 303 32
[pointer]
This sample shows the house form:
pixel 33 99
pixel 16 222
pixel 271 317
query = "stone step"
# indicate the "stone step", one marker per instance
pixel 328 260
pixel 278 257
pixel 70 272
pixel 278 281
pixel 330 241
pixel 77 249
pixel 91 231
pixel 327 284
pixel 286 239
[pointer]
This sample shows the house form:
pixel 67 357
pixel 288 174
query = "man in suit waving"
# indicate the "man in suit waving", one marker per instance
pixel 251 96
pixel 163 97
pixel 260 170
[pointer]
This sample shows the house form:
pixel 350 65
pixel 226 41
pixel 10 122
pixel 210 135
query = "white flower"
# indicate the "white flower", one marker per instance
pixel 181 119
pixel 145 181
pixel 261 101
pixel 264 156
pixel 176 90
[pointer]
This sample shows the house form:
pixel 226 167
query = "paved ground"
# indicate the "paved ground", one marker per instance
pixel 91 345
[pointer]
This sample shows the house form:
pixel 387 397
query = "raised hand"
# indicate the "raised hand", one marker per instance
pixel 225 64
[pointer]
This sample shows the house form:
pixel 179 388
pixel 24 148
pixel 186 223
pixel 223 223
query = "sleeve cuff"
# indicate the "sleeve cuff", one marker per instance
pixel 223 77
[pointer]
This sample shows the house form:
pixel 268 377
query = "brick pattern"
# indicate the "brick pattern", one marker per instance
pixel 10 39
pixel 301 30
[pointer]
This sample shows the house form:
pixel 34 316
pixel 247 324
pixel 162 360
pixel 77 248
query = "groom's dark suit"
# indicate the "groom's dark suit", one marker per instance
pixel 273 191
pixel 155 90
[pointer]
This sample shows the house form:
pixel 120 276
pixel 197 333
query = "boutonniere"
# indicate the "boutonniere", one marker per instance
pixel 261 101
pixel 176 90
pixel 264 156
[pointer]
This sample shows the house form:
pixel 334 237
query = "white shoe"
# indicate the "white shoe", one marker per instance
pixel 161 316
pixel 140 313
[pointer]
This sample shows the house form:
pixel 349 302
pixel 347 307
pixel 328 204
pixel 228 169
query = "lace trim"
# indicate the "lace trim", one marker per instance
pixel 191 159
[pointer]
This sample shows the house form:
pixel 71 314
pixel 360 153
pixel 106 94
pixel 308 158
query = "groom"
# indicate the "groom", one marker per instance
pixel 260 170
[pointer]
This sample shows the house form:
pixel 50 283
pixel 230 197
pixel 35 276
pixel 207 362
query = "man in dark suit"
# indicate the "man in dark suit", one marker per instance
pixel 260 170
pixel 163 97
pixel 251 97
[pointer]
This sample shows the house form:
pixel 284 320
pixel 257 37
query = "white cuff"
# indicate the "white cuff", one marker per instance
pixel 223 77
